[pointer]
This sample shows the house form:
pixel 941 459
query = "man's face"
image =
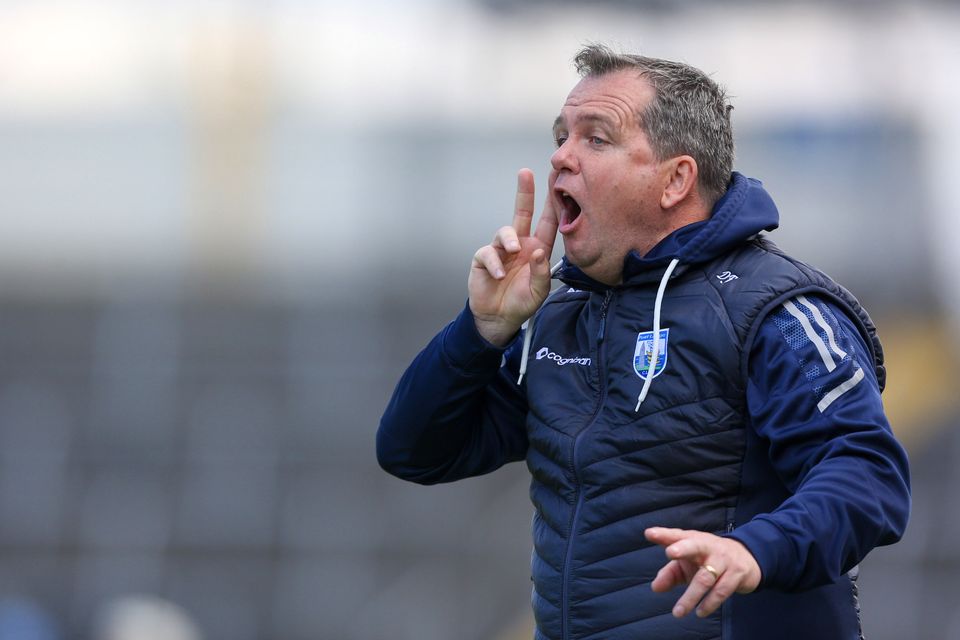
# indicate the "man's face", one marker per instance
pixel 607 182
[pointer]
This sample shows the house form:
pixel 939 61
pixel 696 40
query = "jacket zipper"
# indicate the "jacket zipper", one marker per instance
pixel 603 318
pixel 565 585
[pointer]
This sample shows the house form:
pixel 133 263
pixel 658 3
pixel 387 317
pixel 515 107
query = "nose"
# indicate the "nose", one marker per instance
pixel 565 159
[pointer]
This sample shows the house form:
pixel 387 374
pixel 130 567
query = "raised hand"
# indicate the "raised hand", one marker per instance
pixel 510 277
pixel 714 568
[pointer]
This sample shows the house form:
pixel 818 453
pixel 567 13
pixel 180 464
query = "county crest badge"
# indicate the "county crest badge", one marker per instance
pixel 644 352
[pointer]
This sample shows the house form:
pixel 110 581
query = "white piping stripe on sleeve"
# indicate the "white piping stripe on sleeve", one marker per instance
pixel 814 337
pixel 839 390
pixel 815 310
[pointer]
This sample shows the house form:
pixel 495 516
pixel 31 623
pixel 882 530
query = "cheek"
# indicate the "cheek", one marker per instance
pixel 623 196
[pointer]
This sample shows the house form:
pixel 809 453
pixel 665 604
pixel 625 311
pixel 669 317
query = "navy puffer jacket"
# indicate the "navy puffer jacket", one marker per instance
pixel 603 469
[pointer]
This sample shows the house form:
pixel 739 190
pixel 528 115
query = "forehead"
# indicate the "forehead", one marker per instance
pixel 621 95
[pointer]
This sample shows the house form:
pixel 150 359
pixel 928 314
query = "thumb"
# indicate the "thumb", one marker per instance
pixel 539 271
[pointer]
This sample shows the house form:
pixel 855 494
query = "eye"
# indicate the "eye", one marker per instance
pixel 560 140
pixel 597 141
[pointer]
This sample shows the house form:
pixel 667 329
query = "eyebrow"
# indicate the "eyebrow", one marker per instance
pixel 584 117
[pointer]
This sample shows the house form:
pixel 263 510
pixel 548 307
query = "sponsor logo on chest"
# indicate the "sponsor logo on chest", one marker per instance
pixel 560 361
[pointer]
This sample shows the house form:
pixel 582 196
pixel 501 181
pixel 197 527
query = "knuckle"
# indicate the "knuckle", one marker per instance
pixel 687 600
pixel 704 579
pixel 487 255
pixel 721 593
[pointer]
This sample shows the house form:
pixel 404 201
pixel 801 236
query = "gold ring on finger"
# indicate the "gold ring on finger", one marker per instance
pixel 711 571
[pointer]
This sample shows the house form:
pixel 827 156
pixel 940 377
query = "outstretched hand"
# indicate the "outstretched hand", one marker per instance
pixel 510 277
pixel 714 568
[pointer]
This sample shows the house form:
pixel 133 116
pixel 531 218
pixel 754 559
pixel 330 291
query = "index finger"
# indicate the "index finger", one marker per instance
pixel 680 543
pixel 665 535
pixel 548 223
pixel 523 209
pixel 692 548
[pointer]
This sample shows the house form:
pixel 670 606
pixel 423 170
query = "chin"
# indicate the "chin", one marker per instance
pixel 599 270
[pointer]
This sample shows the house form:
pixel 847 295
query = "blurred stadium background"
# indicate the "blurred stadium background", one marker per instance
pixel 226 227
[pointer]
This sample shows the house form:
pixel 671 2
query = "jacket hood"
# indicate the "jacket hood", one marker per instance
pixel 745 210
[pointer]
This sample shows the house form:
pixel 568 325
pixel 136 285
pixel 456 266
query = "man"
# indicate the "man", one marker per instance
pixel 688 391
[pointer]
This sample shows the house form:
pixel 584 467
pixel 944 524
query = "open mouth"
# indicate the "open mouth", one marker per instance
pixel 569 209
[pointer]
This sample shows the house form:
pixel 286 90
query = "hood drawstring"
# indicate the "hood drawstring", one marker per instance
pixel 655 355
pixel 528 331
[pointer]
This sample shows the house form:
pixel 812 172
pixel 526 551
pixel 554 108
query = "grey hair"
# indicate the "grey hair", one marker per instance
pixel 689 114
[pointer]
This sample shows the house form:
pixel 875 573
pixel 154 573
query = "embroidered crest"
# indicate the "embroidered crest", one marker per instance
pixel 644 352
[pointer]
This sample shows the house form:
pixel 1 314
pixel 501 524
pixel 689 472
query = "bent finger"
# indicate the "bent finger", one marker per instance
pixel 506 238
pixel 488 259
pixel 523 207
pixel 670 576
pixel 700 584
pixel 725 587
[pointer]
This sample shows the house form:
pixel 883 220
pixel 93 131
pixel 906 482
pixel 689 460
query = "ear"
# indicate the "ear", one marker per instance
pixel 681 177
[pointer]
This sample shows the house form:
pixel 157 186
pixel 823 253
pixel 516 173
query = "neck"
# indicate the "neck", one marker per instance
pixel 676 220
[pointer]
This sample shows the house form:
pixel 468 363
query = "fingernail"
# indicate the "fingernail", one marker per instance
pixel 498 274
pixel 678 611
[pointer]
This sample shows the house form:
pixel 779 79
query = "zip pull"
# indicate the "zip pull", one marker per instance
pixel 603 314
